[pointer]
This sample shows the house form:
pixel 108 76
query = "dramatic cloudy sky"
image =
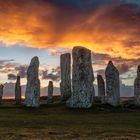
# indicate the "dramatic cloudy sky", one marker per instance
pixel 47 28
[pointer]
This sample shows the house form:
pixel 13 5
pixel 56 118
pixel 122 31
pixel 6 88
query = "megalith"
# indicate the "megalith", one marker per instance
pixel 101 88
pixel 82 79
pixel 137 87
pixel 1 93
pixel 50 92
pixel 112 84
pixel 65 85
pixel 18 91
pixel 32 95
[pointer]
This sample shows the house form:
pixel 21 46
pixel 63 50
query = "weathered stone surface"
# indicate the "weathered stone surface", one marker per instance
pixel 32 95
pixel 82 79
pixel 112 84
pixel 18 91
pixel 1 92
pixel 137 87
pixel 65 85
pixel 101 88
pixel 50 92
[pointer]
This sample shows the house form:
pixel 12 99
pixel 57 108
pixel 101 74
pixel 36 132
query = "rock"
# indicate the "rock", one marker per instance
pixel 1 93
pixel 101 88
pixel 82 79
pixel 137 87
pixel 50 92
pixel 18 91
pixel 65 85
pixel 32 94
pixel 112 85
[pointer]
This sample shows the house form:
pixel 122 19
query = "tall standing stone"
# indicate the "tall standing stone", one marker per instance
pixel 112 84
pixel 137 87
pixel 82 79
pixel 1 93
pixel 32 95
pixel 50 92
pixel 18 91
pixel 101 88
pixel 65 85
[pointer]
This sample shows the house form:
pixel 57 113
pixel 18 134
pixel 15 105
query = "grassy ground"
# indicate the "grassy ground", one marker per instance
pixel 55 122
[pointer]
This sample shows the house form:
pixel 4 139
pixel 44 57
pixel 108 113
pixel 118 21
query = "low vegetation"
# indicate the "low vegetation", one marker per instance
pixel 56 122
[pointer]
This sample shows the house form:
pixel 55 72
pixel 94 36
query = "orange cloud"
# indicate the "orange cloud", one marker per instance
pixel 113 30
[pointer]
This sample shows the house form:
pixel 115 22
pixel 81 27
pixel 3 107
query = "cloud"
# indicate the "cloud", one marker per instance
pixel 65 24
pixel 126 67
pixel 7 66
pixel 101 72
pixel 11 69
pixel 123 68
pixel 22 70
pixel 56 70
pixel 54 75
pixel 12 76
pixel 86 4
pixel 131 44
pixel 100 60
pixel 2 62
pixel 58 52
pixel 44 74
pixel 110 28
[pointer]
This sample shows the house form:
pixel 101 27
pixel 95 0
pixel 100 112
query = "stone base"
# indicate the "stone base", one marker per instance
pixel 81 103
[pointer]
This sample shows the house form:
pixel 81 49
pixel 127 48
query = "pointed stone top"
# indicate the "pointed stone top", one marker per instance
pixel 111 63
pixel 138 71
pixel 35 58
pixel 111 67
pixel 50 82
pixel 18 77
pixel 35 61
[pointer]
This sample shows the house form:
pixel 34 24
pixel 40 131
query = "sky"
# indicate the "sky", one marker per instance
pixel 49 28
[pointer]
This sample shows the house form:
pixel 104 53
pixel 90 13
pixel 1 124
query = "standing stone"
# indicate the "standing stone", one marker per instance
pixel 82 79
pixel 18 91
pixel 50 92
pixel 101 88
pixel 137 87
pixel 65 85
pixel 32 95
pixel 112 84
pixel 1 93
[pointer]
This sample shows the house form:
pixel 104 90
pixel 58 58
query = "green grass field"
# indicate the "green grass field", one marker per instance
pixel 56 122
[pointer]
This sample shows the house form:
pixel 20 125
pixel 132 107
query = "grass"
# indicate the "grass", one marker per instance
pixel 56 122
